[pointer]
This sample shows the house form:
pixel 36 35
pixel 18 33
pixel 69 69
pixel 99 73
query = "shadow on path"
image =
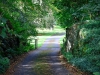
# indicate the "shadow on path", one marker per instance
pixel 50 48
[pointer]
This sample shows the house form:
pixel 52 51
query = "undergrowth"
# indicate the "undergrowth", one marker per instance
pixel 87 55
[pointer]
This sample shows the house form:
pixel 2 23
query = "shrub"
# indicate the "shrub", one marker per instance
pixel 87 63
pixel 4 64
pixel 87 55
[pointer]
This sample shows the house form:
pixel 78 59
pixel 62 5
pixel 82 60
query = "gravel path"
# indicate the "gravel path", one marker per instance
pixel 52 47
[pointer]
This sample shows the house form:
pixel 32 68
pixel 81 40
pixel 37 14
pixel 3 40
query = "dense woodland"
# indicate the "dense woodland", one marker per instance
pixel 20 18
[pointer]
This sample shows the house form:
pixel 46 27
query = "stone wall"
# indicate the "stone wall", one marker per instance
pixel 72 37
pixel 82 38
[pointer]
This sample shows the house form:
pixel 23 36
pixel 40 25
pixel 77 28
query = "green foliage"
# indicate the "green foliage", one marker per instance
pixel 96 73
pixel 90 38
pixel 86 50
pixel 10 53
pixel 87 53
pixel 4 64
pixel 72 11
pixel 86 63
pixel 2 27
pixel 26 48
pixel 17 23
pixel 19 19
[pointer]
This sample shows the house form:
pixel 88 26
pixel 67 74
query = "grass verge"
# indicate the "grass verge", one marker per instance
pixel 43 34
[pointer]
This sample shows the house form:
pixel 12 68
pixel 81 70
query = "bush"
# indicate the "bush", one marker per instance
pixel 96 73
pixel 87 63
pixel 87 55
pixel 4 64
pixel 11 53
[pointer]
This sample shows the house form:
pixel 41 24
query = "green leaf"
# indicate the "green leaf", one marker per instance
pixel 3 33
pixel 96 73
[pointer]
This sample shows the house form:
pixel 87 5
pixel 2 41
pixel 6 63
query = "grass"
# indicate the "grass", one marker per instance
pixel 43 34
pixel 61 41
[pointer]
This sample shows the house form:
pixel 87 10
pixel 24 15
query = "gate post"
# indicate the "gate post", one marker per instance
pixel 36 42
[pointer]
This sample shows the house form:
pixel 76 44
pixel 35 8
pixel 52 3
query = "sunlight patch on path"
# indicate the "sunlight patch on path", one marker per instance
pixel 41 67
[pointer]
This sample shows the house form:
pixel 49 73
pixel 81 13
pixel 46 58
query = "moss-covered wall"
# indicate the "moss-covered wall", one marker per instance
pixel 72 36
